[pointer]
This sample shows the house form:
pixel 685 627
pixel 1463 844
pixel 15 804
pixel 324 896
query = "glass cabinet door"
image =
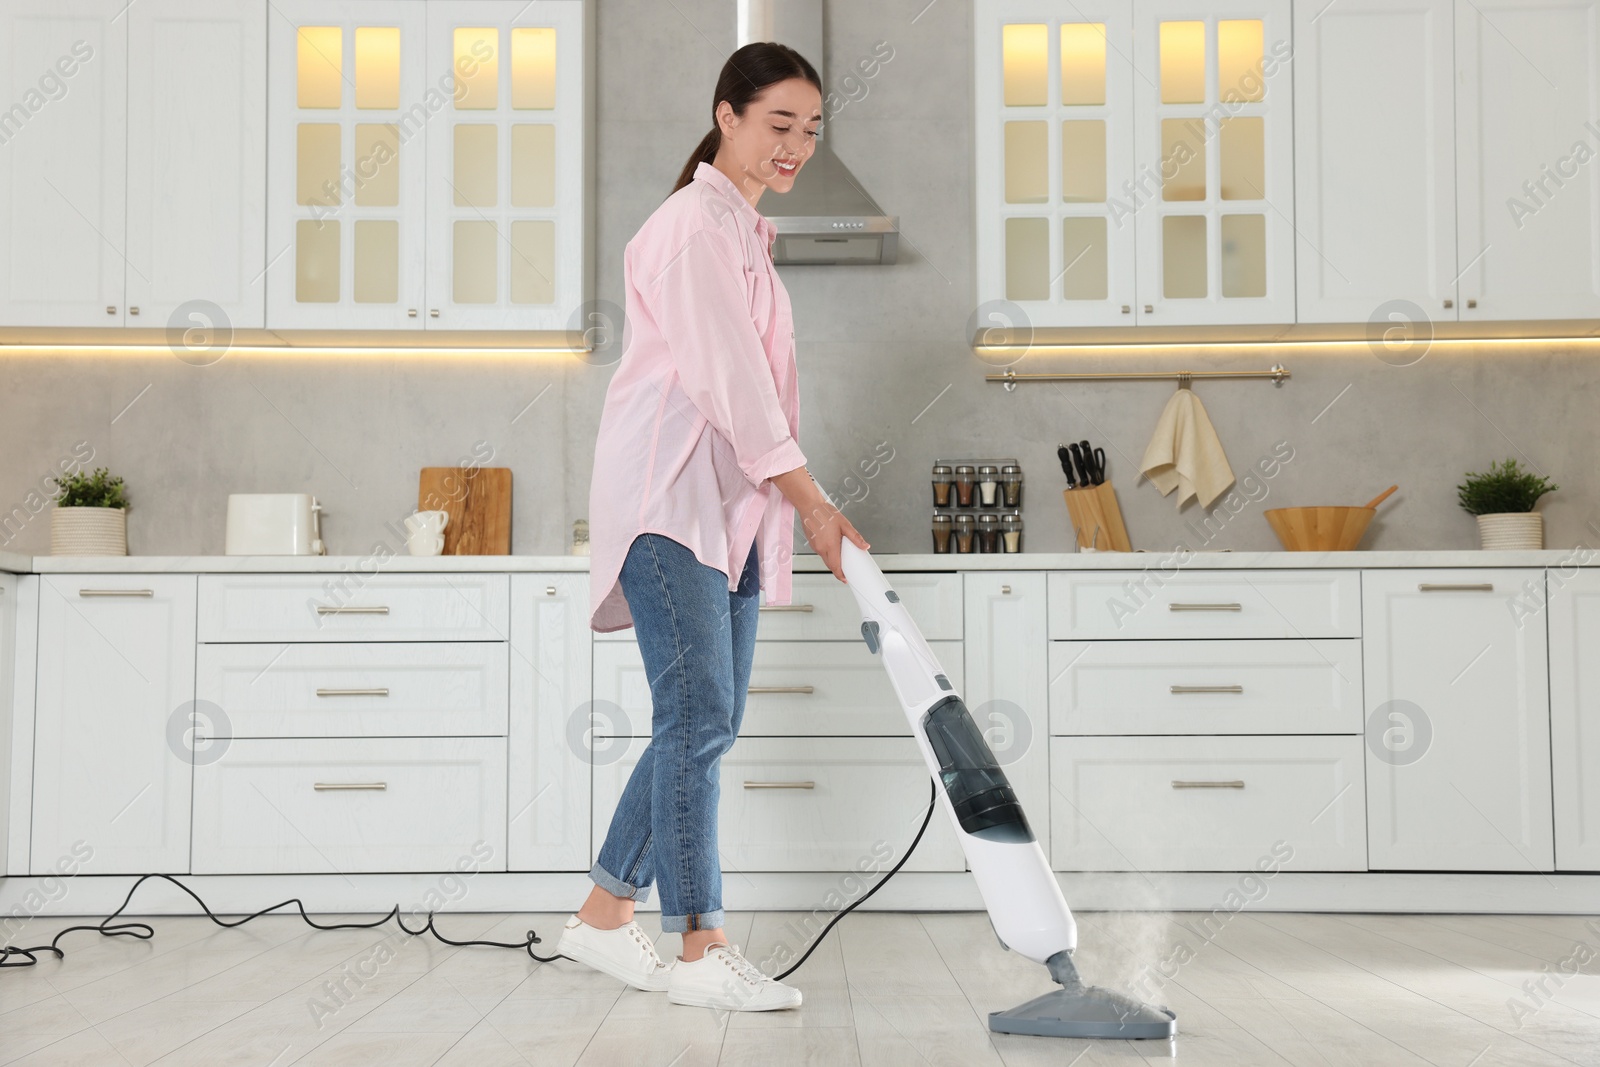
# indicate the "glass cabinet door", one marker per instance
pixel 1054 138
pixel 505 166
pixel 348 127
pixel 1213 189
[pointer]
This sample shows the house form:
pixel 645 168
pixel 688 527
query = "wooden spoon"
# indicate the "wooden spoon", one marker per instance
pixel 1381 497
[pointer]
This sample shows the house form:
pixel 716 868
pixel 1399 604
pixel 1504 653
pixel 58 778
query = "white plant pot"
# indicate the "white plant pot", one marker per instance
pixel 89 532
pixel 1511 529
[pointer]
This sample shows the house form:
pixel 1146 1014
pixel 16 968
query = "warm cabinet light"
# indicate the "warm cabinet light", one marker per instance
pixel 319 63
pixel 378 67
pixel 477 59
pixel 533 68
pixel 1083 63
pixel 163 351
pixel 1025 59
pixel 1183 62
pixel 1041 348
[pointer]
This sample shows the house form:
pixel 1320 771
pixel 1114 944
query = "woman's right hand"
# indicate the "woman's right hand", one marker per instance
pixel 826 528
pixel 825 525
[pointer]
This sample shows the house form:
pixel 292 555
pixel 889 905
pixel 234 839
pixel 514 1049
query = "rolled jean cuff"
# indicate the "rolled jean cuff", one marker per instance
pixel 617 887
pixel 682 924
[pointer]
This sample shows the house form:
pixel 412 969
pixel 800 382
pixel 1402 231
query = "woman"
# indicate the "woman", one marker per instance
pixel 697 479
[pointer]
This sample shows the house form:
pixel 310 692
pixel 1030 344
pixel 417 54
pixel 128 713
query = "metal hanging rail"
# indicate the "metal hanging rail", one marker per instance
pixel 1278 373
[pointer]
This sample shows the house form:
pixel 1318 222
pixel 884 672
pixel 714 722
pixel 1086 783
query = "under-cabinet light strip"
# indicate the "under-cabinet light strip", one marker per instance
pixel 1245 346
pixel 280 350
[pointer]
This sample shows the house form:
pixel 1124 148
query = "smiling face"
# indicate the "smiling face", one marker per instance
pixel 767 146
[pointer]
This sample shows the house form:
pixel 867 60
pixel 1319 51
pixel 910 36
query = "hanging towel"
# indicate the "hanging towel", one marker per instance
pixel 1184 454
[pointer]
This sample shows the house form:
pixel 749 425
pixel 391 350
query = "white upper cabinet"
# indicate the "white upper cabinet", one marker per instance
pixel 197 159
pixel 428 165
pixel 1374 130
pixel 1054 138
pixel 131 188
pixel 63 76
pixel 349 111
pixel 1527 134
pixel 1135 162
pixel 1213 154
pixel 505 201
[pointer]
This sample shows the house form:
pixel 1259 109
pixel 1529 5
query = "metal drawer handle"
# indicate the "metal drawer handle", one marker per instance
pixel 116 592
pixel 780 785
pixel 807 689
pixel 350 785
pixel 1471 587
pixel 785 607
pixel 1235 784
pixel 1176 606
pixel 1208 689
pixel 350 609
pixel 378 692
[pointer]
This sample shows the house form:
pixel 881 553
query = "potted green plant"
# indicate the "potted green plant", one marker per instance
pixel 91 516
pixel 1503 499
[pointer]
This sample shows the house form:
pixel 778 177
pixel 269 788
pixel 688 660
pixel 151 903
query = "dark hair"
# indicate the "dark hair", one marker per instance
pixel 745 75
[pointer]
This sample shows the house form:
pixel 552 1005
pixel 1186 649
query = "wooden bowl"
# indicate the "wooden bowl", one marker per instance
pixel 1320 529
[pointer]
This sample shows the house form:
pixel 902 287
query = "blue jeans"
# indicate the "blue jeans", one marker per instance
pixel 697 640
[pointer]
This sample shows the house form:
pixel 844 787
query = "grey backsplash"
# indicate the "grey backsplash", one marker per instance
pixel 877 347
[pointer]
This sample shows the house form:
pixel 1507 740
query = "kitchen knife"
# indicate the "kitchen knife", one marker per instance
pixel 1081 463
pixel 1066 465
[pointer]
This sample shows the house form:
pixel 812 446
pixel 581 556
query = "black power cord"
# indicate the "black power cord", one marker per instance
pixel 933 796
pixel 143 931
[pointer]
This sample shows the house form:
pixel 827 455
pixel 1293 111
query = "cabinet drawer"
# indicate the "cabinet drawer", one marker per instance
pixel 347 805
pixel 812 804
pixel 823 608
pixel 393 689
pixel 1183 603
pixel 351 607
pixel 1206 687
pixel 805 688
pixel 1207 803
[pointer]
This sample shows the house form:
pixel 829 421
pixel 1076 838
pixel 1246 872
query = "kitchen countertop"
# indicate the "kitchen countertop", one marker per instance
pixel 808 562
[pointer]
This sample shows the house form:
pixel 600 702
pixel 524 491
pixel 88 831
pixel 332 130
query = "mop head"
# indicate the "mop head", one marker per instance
pixel 1077 1010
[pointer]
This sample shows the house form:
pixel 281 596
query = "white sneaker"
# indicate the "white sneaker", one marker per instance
pixel 624 953
pixel 724 979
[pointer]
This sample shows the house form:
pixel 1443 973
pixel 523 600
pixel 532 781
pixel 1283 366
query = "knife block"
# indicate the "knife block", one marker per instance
pixel 1096 518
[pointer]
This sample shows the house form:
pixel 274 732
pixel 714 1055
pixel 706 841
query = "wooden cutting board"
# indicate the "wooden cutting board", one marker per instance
pixel 479 502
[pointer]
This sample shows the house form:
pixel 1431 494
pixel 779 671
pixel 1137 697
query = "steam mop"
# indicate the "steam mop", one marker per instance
pixel 1024 901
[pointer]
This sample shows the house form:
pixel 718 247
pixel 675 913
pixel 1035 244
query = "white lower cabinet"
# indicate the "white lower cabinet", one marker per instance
pixel 550 739
pixel 810 804
pixel 1418 719
pixel 348 805
pixel 1007 688
pixel 1574 608
pixel 356 690
pixel 113 722
pixel 1457 719
pixel 797 688
pixel 1205 687
pixel 1206 803
pixel 353 606
pixel 1179 602
pixel 9 681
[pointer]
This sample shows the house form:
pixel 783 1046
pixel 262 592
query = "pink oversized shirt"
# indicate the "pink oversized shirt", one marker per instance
pixel 704 405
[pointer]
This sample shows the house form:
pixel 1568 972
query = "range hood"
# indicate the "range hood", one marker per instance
pixel 828 217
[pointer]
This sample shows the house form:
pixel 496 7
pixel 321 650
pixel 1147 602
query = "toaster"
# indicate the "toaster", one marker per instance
pixel 274 524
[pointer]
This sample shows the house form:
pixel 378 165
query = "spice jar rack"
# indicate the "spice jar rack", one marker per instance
pixel 977 505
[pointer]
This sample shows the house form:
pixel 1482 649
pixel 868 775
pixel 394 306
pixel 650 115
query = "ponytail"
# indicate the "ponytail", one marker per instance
pixel 705 152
